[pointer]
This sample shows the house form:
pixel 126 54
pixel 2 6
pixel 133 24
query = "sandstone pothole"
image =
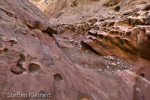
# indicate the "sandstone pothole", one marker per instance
pixel 13 41
pixel 34 67
pixel 22 57
pixel 58 77
pixel 84 98
pixel 6 50
pixel 117 8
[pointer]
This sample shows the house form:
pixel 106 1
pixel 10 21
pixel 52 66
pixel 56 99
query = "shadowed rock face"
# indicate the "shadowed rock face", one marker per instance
pixel 32 60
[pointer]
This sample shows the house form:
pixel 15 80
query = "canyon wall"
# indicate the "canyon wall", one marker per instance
pixel 41 55
pixel 109 27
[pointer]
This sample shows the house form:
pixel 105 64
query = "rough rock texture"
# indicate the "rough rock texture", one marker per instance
pixel 35 56
pixel 118 28
pixel 93 32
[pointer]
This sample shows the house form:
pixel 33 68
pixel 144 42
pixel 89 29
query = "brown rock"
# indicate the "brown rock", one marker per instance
pixel 45 63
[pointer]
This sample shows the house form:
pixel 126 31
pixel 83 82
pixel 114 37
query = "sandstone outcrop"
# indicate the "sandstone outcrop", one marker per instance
pixel 41 57
pixel 116 28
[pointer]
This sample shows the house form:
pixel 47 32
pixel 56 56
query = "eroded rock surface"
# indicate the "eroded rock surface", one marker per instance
pixel 35 55
pixel 110 36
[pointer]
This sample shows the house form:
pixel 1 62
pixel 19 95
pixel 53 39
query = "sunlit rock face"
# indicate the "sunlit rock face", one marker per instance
pixel 40 57
pixel 75 11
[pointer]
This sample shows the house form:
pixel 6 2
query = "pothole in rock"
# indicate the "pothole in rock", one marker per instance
pixel 84 98
pixel 22 57
pixel 74 4
pixel 6 50
pixel 117 9
pixel 58 77
pixel 34 67
pixel 13 41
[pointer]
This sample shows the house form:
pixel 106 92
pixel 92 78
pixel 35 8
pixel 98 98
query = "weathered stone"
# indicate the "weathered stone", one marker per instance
pixel 35 56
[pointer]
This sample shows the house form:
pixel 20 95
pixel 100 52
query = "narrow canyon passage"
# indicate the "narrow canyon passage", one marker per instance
pixel 110 37
pixel 74 50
